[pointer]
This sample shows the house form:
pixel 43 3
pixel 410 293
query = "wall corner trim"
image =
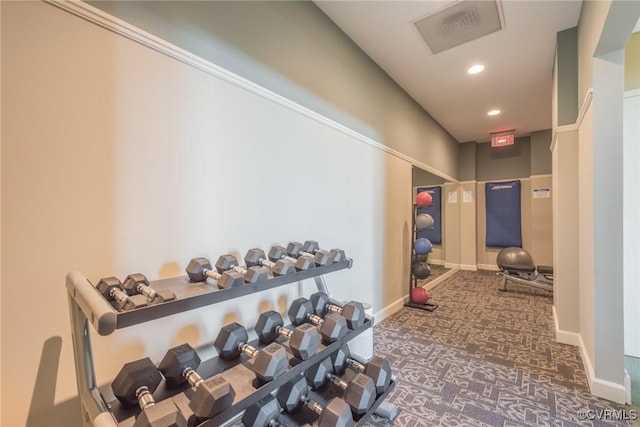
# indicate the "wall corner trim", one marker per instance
pixel 133 33
pixel 586 103
pixel 599 387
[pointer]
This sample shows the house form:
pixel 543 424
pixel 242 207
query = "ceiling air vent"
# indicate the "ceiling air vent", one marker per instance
pixel 459 23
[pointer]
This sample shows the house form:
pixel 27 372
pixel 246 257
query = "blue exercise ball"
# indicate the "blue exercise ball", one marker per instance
pixel 422 246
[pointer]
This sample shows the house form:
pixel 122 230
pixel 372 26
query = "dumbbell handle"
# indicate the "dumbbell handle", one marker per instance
pixel 248 350
pixel 119 296
pixel 338 381
pixel 315 319
pixel 192 377
pixel 212 274
pixel 239 269
pixel 314 406
pixel 281 330
pixel 145 399
pixel 266 263
pixel 334 308
pixel 358 366
pixel 145 290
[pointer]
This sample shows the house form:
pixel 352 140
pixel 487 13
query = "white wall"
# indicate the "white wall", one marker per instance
pixel 118 159
pixel 631 226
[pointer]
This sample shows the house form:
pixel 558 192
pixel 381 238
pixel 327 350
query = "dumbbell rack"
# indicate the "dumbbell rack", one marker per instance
pixel 99 406
pixel 413 281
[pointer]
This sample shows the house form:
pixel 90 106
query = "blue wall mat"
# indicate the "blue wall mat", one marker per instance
pixel 435 234
pixel 503 214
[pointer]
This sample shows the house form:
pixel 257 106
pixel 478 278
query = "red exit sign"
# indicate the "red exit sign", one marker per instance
pixel 502 140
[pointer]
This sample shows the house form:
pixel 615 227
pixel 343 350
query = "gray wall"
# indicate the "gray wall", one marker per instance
pixel 295 50
pixel 541 158
pixel 423 178
pixel 509 162
pixel 567 69
pixel 468 161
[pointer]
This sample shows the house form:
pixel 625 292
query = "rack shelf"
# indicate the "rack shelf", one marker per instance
pixel 88 307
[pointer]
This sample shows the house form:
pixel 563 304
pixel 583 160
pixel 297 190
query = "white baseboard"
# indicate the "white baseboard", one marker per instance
pixel 627 387
pixel 599 387
pixel 389 310
pixel 469 267
pixel 436 261
pixel 490 267
pixel 564 337
pixel 451 265
pixel 430 285
pixel 399 303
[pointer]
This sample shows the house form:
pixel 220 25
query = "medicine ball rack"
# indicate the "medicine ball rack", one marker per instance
pixel 99 406
pixel 413 281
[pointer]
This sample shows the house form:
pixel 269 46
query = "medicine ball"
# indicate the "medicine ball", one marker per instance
pixel 422 246
pixel 419 295
pixel 423 199
pixel 424 222
pixel 421 270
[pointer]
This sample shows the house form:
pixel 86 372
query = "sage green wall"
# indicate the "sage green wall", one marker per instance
pixel 468 161
pixel 632 62
pixel 567 69
pixel 541 162
pixel 509 162
pixel 295 50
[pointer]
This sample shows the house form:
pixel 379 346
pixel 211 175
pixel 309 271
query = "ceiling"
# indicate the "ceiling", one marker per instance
pixel 518 61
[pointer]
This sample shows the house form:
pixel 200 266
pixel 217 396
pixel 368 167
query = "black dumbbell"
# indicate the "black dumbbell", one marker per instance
pixel 332 327
pixel 311 247
pixel 353 311
pixel 138 284
pixel 200 268
pixel 269 362
pixel 135 384
pixel 211 396
pixel 359 393
pixel 320 257
pixel 251 275
pixel 378 369
pixel 280 253
pixel 294 394
pixel 304 340
pixel 111 288
pixel 263 413
pixel 280 267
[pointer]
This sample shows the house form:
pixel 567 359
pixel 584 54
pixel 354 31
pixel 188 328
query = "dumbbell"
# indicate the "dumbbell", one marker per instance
pixel 353 311
pixel 269 362
pixel 332 327
pixel 251 275
pixel 311 247
pixel 111 288
pixel 320 257
pixel 263 413
pixel 200 268
pixel 359 393
pixel 378 369
pixel 138 284
pixel 294 394
pixel 135 384
pixel 304 340
pixel 211 396
pixel 281 267
pixel 302 264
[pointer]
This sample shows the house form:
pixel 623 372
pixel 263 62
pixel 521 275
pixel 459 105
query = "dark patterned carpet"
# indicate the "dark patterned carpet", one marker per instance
pixel 484 358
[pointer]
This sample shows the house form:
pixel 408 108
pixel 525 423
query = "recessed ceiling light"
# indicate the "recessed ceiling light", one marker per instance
pixel 475 69
pixel 493 113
